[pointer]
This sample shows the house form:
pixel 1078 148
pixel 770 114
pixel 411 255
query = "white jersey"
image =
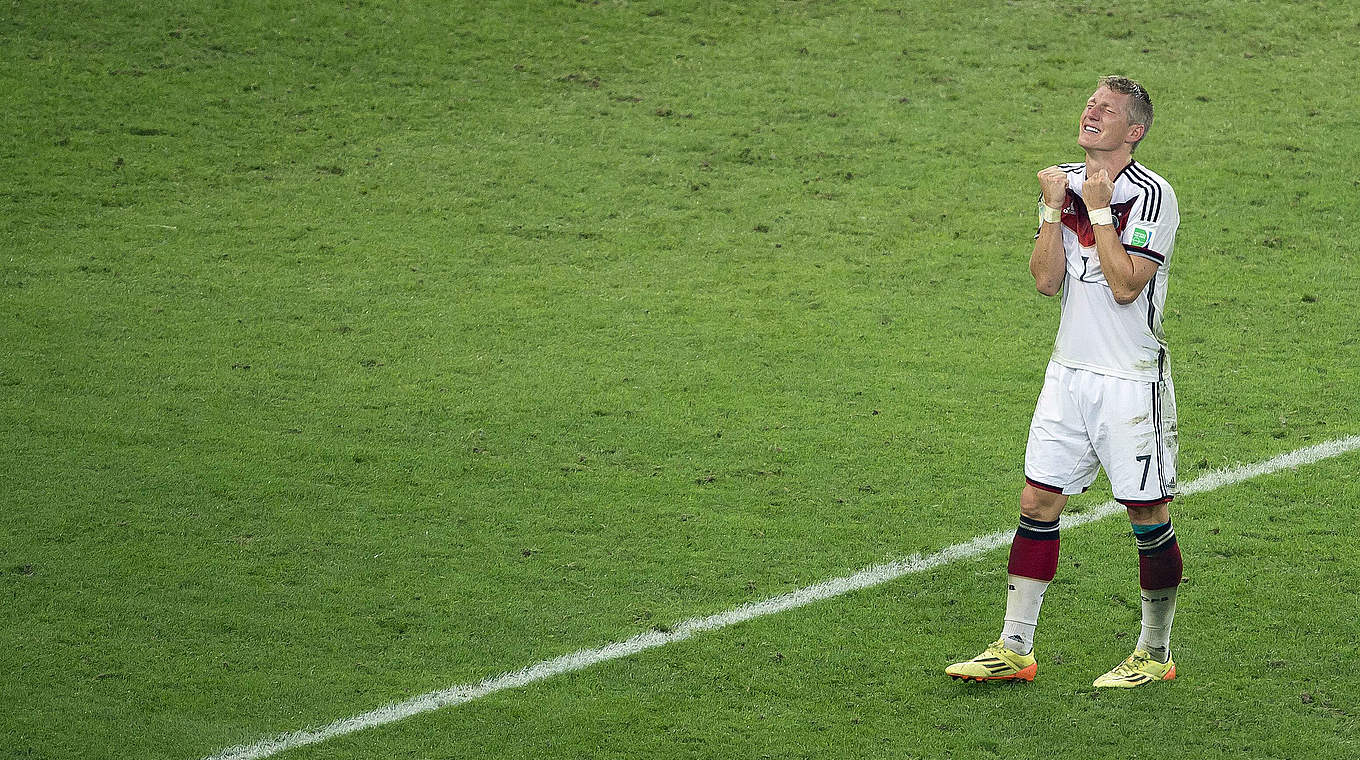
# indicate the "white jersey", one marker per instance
pixel 1096 333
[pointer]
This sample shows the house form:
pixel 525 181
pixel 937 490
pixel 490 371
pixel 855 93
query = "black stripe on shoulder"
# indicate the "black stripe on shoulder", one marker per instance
pixel 1157 185
pixel 1137 173
pixel 1149 189
pixel 1069 168
pixel 1149 193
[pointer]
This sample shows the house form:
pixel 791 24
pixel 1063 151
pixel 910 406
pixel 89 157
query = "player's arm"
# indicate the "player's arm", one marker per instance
pixel 1048 261
pixel 1126 275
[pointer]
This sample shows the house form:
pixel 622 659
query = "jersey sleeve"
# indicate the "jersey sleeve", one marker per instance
pixel 1139 239
pixel 1151 229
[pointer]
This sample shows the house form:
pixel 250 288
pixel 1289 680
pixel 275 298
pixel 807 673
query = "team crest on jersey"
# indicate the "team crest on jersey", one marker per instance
pixel 1142 237
pixel 1076 218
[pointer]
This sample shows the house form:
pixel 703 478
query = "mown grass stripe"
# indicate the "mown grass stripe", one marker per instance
pixel 866 578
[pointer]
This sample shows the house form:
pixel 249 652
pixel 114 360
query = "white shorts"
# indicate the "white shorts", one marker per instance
pixel 1085 420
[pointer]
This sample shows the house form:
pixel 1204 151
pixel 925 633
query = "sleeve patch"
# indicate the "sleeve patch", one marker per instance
pixel 1140 236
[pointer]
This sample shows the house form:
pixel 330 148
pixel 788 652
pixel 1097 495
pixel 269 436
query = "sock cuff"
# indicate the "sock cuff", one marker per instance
pixel 1145 529
pixel 1038 530
pixel 1154 539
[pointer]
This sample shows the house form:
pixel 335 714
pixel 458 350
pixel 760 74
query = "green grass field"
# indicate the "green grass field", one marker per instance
pixel 358 350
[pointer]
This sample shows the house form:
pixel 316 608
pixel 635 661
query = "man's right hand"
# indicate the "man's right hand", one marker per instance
pixel 1053 181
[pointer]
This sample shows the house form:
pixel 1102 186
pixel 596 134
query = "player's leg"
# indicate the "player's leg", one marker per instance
pixel 1031 565
pixel 1138 448
pixel 1159 576
pixel 1059 460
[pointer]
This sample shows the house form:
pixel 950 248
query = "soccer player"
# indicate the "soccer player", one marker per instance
pixel 1105 237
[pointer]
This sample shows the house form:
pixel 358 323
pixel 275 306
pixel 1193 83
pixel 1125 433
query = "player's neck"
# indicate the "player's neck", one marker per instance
pixel 1111 161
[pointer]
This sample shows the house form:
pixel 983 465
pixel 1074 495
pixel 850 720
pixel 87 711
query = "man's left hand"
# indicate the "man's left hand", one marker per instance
pixel 1098 190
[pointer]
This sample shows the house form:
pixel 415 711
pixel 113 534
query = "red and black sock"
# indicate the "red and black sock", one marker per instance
pixel 1034 550
pixel 1033 563
pixel 1159 575
pixel 1159 557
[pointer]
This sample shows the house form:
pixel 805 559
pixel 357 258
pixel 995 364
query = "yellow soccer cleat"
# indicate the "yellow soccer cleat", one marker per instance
pixel 997 663
pixel 1137 670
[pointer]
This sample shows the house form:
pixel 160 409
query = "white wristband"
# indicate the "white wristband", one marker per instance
pixel 1101 216
pixel 1050 214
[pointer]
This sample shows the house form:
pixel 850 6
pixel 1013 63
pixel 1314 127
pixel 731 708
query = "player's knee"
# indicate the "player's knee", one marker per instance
pixel 1150 515
pixel 1038 504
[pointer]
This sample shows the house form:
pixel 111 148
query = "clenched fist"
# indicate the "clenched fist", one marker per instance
pixel 1098 189
pixel 1053 182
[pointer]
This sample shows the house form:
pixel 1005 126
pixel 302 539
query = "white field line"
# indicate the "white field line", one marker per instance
pixel 866 578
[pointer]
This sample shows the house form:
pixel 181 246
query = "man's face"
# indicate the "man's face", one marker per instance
pixel 1104 124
